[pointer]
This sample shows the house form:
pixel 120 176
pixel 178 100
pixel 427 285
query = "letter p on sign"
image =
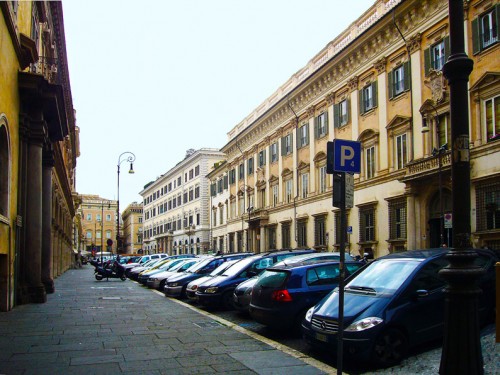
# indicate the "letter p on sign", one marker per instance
pixel 343 156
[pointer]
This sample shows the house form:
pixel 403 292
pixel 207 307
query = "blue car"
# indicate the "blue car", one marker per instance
pixel 283 293
pixel 395 303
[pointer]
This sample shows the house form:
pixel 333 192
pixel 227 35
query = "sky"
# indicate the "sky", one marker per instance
pixel 159 77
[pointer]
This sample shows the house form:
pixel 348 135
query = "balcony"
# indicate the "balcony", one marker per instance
pixel 427 166
pixel 48 67
pixel 257 214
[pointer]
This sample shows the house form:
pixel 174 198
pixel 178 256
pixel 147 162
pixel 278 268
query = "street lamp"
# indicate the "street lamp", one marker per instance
pixel 130 158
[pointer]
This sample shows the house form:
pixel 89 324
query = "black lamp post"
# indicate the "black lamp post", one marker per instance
pixel 130 158
pixel 461 346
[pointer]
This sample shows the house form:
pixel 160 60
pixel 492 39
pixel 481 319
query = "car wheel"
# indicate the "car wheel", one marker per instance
pixel 162 286
pixel 390 348
pixel 183 294
pixel 98 276
pixel 123 278
pixel 227 300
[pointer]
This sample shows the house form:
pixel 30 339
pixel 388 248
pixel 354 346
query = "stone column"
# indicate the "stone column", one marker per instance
pixel 47 254
pixel 32 265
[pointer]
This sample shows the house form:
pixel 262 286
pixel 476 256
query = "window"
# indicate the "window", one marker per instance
pixel 401 151
pixel 488 206
pixel 303 135
pixel 179 202
pixel 397 219
pixel 320 231
pixel 232 176
pixel 89 234
pixel 98 217
pixel 321 125
pixel 288 190
pixel 275 190
pixel 286 144
pixel 271 236
pixel 221 214
pixel 273 153
pixel 285 236
pixel 367 224
pixel 197 219
pixel 485 30
pixel 241 172
pixel 98 234
pixel 322 179
pixel 233 209
pixel 492 118
pixel 196 192
pixel 399 80
pixel 302 233
pixel 436 55
pixel 370 162
pixel 89 217
pixel 241 203
pixel 191 194
pixel 262 198
pixel 197 170
pixel 368 97
pixel 304 186
pixel 179 181
pixel 341 113
pixel 225 183
pixel 262 158
pixel 214 217
pixel 213 190
pixel 219 186
pixel 250 166
pixel 191 174
pixel 444 131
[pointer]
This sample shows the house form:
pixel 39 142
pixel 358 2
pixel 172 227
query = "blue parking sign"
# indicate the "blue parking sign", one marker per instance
pixel 343 156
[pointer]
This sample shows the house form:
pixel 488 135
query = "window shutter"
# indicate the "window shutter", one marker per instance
pixel 336 115
pixel 476 34
pixel 407 77
pixel 361 102
pixel 374 93
pixel 316 127
pixel 307 134
pixel 446 48
pixel 291 142
pixel 225 182
pixel 326 122
pixel 496 16
pixel 283 144
pixel 263 157
pixel 427 61
pixel 391 84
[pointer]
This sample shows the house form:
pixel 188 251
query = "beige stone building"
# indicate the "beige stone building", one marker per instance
pixel 380 83
pixel 98 222
pixel 176 206
pixel 132 227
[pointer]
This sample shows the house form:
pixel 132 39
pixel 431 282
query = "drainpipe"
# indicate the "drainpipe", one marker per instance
pixel 297 173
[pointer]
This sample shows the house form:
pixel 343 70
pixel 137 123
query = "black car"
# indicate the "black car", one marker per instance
pixel 395 303
pixel 283 293
pixel 218 291
pixel 176 285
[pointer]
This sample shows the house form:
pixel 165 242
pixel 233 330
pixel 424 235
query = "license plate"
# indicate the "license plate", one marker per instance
pixel 321 337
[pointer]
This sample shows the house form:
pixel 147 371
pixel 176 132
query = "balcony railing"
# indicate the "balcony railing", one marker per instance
pixel 428 164
pixel 48 67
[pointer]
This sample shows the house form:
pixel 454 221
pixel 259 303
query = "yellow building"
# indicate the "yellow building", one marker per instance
pixel 132 228
pixel 380 83
pixel 38 151
pixel 98 218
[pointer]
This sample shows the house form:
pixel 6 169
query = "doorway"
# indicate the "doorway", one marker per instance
pixel 436 224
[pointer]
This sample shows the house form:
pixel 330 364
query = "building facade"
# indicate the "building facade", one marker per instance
pixel 98 222
pixel 379 82
pixel 176 206
pixel 132 228
pixel 38 152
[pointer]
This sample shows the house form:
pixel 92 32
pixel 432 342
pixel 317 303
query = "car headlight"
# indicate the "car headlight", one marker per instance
pixel 211 290
pixel 172 285
pixel 153 279
pixel 309 314
pixel 363 324
pixel 248 291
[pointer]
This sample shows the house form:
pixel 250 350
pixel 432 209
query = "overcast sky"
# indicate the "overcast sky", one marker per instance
pixel 159 77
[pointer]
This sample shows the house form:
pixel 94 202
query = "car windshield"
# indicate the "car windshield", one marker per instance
pixel 179 265
pixel 239 266
pixel 199 265
pixel 383 276
pixel 159 264
pixel 222 267
pixel 272 279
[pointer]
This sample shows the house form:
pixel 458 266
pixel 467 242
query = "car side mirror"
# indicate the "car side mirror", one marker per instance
pixel 421 293
pixel 251 273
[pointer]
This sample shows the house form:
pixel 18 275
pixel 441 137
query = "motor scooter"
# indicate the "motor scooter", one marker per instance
pixel 116 271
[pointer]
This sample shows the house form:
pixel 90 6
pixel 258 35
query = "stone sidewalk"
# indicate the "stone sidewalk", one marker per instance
pixel 114 327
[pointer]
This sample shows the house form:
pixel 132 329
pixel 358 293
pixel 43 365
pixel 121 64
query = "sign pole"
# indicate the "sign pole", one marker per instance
pixel 343 234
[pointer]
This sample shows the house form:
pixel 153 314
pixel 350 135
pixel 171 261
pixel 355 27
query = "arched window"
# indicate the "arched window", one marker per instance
pixel 4 167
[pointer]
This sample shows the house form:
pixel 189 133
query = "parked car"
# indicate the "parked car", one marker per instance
pixel 193 285
pixel 218 291
pixel 176 285
pixel 243 292
pixel 165 265
pixel 158 280
pixel 283 293
pixel 133 273
pixel 393 304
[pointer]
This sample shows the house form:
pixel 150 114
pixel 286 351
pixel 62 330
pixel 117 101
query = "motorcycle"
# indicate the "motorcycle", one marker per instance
pixel 116 271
